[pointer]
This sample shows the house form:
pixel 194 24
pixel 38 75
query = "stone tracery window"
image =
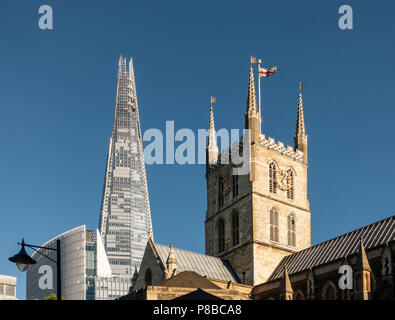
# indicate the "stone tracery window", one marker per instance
pixel 329 291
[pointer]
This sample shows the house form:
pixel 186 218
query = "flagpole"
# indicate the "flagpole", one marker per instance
pixel 259 86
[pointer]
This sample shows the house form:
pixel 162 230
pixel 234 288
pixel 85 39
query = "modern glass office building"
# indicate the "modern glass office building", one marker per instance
pixel 125 219
pixel 84 269
pixel 7 287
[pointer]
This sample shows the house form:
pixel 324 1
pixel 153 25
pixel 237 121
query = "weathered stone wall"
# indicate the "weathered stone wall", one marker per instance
pixel 169 293
pixel 152 262
pixel 254 203
pixel 240 203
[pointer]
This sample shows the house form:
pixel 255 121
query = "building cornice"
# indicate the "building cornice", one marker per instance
pixel 281 201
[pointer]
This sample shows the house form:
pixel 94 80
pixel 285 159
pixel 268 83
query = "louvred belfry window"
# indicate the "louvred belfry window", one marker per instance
pixel 274 233
pixel 291 230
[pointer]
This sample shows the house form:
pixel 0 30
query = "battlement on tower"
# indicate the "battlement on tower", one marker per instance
pixel 271 144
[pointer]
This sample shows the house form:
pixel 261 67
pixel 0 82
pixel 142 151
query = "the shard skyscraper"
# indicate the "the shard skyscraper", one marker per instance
pixel 125 218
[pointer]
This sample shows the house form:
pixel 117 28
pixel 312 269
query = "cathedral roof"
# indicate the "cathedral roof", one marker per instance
pixel 204 265
pixel 373 235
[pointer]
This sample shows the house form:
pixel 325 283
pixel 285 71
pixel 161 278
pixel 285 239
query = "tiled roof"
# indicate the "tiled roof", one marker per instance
pixel 347 244
pixel 202 264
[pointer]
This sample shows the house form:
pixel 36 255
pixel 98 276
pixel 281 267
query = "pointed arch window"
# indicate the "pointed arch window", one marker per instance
pixel 235 228
pixel 272 178
pixel 235 185
pixel 329 291
pixel 221 235
pixel 220 191
pixel 148 277
pixel 290 181
pixel 298 295
pixel 274 225
pixel 291 230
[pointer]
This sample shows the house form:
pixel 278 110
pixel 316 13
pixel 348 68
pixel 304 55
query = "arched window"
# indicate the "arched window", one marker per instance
pixel 235 185
pixel 372 282
pixel 272 178
pixel 235 228
pixel 329 291
pixel 220 191
pixel 358 281
pixel 291 230
pixel 290 181
pixel 221 235
pixel 298 295
pixel 274 225
pixel 148 277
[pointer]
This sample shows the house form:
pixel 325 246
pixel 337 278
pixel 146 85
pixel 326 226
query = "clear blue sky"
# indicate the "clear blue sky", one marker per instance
pixel 57 93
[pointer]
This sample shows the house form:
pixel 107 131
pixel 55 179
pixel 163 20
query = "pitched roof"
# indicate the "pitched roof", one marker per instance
pixel 347 244
pixel 202 264
pixel 188 279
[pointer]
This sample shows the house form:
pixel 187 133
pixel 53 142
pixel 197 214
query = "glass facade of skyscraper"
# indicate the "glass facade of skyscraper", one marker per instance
pixel 85 271
pixel 125 219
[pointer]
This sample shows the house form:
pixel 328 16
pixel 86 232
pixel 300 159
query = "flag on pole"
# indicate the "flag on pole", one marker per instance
pixel 266 72
pixel 212 99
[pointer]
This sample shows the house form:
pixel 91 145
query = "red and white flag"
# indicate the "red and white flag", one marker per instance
pixel 265 72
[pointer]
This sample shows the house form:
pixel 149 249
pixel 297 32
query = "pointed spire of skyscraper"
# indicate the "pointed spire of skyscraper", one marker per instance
pixel 300 137
pixel 125 219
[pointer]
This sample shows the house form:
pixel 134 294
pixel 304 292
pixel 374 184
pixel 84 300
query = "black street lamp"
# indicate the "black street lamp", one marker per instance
pixel 24 261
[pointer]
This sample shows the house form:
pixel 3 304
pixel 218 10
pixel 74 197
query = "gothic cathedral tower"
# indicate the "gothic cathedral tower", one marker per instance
pixel 256 219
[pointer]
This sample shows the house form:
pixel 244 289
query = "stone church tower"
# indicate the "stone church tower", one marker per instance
pixel 256 219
